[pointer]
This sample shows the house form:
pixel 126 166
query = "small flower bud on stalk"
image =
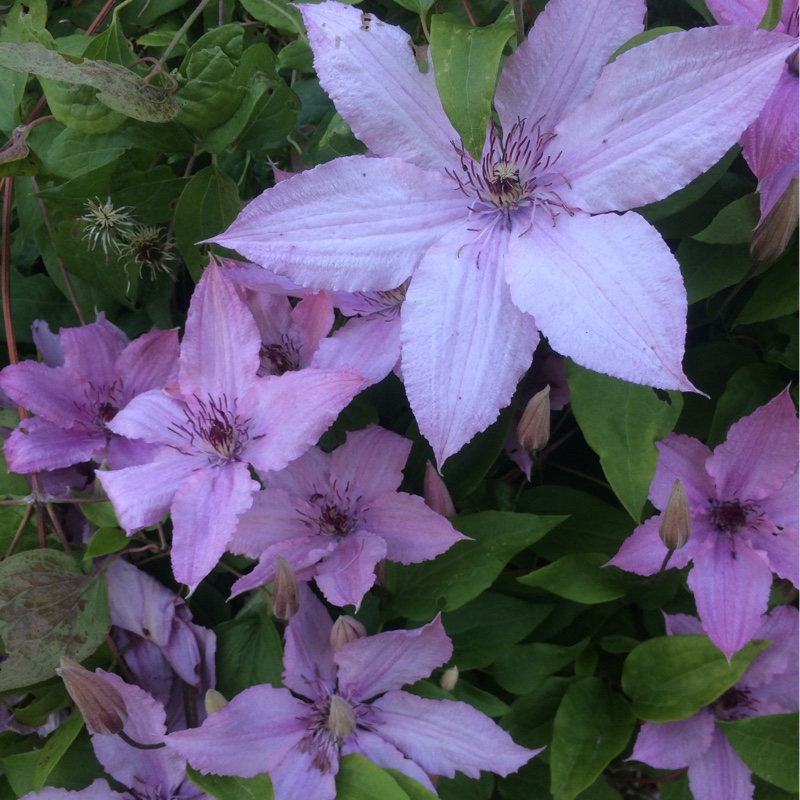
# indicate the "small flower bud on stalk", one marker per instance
pixel 533 429
pixel 676 521
pixel 772 235
pixel 346 629
pixel 214 701
pixel 449 679
pixel 99 702
pixel 435 493
pixel 286 595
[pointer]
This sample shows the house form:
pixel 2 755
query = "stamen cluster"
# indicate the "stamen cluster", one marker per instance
pixel 214 428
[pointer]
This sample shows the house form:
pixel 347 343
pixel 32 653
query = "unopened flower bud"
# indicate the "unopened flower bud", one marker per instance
pixel 99 702
pixel 533 429
pixel 286 595
pixel 341 718
pixel 772 235
pixel 345 630
pixel 676 521
pixel 449 679
pixel 435 492
pixel 214 701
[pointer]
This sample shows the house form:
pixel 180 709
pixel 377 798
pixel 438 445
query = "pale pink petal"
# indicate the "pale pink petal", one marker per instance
pixel 643 552
pixel 97 790
pixel 271 313
pixel 48 343
pixel 56 393
pixel 293 411
pixel 682 625
pixel 297 776
pixel 443 736
pixel 353 224
pixel 91 350
pixel 371 461
pixel 155 417
pixel 308 654
pixel 465 344
pixel 306 475
pixel 780 546
pixel 746 13
pixel 584 281
pixel 731 584
pixel 384 754
pixel 205 510
pixel 759 454
pixel 685 458
pixel 220 348
pixel 557 66
pixel 369 70
pixel 780 658
pixel 149 362
pixel 348 573
pixel 412 531
pixel 122 452
pixel 375 664
pixel 38 445
pixel 302 556
pixel 313 316
pixel 672 745
pixel 771 188
pixel 665 112
pixel 720 774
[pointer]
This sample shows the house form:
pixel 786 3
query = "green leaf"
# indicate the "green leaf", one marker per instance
pixel 707 268
pixel 467 61
pixel 672 677
pixel 278 14
pixel 414 789
pixel 12 90
pixel 591 727
pixel 210 95
pixel 49 609
pixel 360 779
pixel 775 295
pixel 768 745
pixel 734 224
pixel 105 541
pixel 770 20
pixel 208 204
pixel 622 422
pixel 643 38
pixel 420 7
pixel 530 719
pixel 110 45
pixel 419 591
pixel 56 746
pixel 580 577
pixel 231 788
pixel 77 107
pixel 332 139
pixel 74 152
pixel 525 667
pixel 296 55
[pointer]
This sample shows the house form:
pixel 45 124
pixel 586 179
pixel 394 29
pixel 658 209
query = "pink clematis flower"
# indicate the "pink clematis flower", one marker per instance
pixel 769 686
pixel 743 500
pixel 334 517
pixel 348 701
pixel 219 419
pixel 523 239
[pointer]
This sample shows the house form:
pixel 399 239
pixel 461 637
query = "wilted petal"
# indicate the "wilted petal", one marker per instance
pixel 557 66
pixel 720 774
pixel 465 344
pixel 38 445
pixel 371 461
pixel 349 572
pixel 672 745
pixel 443 736
pixel 685 458
pixel 664 113
pixel 584 281
pixel 353 224
pixel 369 70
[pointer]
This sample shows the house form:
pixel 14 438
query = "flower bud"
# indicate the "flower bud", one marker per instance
pixel 341 718
pixel 345 630
pixel 449 679
pixel 772 235
pixel 676 520
pixel 214 701
pixel 533 429
pixel 286 595
pixel 435 492
pixel 99 702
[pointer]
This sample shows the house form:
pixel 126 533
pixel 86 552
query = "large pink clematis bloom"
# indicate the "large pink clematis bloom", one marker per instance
pixel 743 500
pixel 348 701
pixel 769 686
pixel 523 239
pixel 219 419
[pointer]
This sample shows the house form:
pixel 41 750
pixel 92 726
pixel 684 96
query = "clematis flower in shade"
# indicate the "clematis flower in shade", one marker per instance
pixel 743 500
pixel 769 686
pixel 334 517
pixel 97 372
pixel 348 701
pixel 520 240
pixel 217 420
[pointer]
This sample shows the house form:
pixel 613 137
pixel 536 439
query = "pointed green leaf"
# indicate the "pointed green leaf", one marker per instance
pixel 775 295
pixel 734 224
pixel 55 747
pixel 231 788
pixel 360 779
pixel 525 667
pixel 580 577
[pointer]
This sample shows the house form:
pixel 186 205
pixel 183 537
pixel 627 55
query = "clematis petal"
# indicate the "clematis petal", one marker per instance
pixel 643 552
pixel 465 344
pixel 443 736
pixel 384 754
pixel 780 658
pixel 297 776
pixel 731 584
pixel 155 417
pixel 672 745
pixel 353 224
pixel 38 445
pixel 313 317
pixel 369 70
pixel 746 13
pixel 772 188
pixel 375 664
pixel 205 511
pixel 149 362
pixel 720 774
pixel 665 112
pixel 97 790
pixel 308 654
pixel 57 394
pixel 557 66
pixel 583 282
pixel 760 452
pixel 682 457
pixel 220 348
pixel 252 734
pixel 91 350
pixel 348 573
pixel 412 531
pixel 371 459
pixel 302 477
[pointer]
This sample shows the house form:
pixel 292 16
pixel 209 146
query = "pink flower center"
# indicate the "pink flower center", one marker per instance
pixel 276 359
pixel 736 703
pixel 729 516
pixel 214 429
pixel 102 405
pixel 515 173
